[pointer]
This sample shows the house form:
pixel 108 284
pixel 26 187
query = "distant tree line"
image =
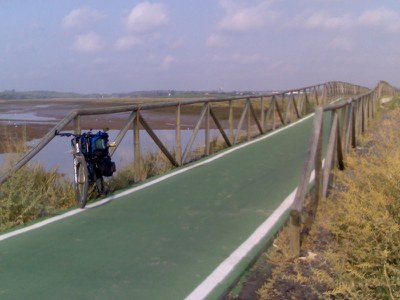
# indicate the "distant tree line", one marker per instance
pixel 12 94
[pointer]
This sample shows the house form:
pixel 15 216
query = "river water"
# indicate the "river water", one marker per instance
pixel 57 153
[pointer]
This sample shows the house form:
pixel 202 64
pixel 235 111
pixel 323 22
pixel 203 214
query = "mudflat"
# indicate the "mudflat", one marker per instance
pixel 32 119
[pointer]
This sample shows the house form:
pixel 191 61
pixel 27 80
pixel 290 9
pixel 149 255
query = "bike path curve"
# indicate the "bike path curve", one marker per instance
pixel 161 241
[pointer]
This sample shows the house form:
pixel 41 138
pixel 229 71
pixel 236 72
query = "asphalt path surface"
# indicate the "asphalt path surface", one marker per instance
pixel 162 240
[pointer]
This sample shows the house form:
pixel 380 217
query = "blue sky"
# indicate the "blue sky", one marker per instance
pixel 122 46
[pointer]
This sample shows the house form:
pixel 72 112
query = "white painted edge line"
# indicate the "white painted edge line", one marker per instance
pixel 227 266
pixel 147 184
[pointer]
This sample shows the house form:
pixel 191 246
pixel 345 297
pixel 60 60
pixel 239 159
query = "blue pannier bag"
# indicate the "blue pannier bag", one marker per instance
pixel 99 144
pixel 95 144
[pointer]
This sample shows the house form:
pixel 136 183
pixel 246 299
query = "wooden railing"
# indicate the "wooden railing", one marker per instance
pixel 349 119
pixel 263 112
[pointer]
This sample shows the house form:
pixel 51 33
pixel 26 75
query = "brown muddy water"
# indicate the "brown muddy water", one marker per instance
pixel 31 120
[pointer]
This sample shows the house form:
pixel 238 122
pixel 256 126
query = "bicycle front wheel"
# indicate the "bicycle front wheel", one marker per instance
pixel 81 180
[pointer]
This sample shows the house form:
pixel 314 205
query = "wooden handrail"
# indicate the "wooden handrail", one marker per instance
pixel 290 102
pixel 356 114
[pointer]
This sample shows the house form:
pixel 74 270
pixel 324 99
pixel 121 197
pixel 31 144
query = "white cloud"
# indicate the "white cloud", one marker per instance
pixel 383 19
pixel 388 20
pixel 243 18
pixel 322 20
pixel 176 44
pixel 242 59
pixel 88 42
pixel 102 61
pixel 342 43
pixel 215 40
pixel 127 42
pixel 160 62
pixel 167 61
pixel 146 17
pixel 80 18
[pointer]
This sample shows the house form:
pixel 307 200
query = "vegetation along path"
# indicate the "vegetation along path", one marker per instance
pixel 164 238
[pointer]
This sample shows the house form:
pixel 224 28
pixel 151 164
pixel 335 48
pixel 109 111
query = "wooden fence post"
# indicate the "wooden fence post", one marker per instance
pixel 137 164
pixel 294 232
pixel 231 133
pixel 77 124
pixel 330 152
pixel 178 145
pixel 313 156
pixel 288 115
pixel 248 119
pixel 303 103
pixel 241 120
pixel 363 115
pixel 359 116
pixel 158 142
pixel 354 125
pixel 262 116
pixel 207 130
pixel 316 96
pixel 272 109
pixel 318 182
pixel 194 133
pixel 344 112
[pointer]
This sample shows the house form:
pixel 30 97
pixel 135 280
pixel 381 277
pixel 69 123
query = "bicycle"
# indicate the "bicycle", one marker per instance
pixel 91 162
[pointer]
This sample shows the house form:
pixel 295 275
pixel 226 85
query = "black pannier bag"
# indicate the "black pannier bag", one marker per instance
pixel 106 166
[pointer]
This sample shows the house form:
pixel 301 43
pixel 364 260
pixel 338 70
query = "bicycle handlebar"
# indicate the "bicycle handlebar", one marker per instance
pixel 85 134
pixel 68 134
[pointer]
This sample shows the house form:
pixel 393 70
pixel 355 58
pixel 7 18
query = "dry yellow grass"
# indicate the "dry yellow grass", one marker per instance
pixel 32 192
pixel 353 248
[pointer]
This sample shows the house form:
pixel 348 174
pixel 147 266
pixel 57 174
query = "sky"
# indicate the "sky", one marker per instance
pixel 128 45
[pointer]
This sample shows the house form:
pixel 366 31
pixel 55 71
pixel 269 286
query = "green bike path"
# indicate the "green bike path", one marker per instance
pixel 161 241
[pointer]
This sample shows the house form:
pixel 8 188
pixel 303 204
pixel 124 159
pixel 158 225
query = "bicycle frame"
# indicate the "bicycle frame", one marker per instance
pixel 86 170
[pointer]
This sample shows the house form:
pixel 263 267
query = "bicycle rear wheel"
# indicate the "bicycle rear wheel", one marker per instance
pixel 81 180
